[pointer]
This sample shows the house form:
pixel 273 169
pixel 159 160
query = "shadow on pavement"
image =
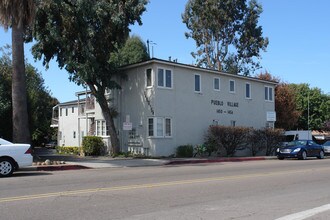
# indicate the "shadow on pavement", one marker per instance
pixel 30 173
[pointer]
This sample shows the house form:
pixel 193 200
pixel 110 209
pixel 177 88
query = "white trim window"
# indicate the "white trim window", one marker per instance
pixel 247 90
pixel 159 127
pixel 216 83
pixel 269 93
pixel 149 78
pixel 232 86
pixel 198 87
pixel 101 128
pixel 164 78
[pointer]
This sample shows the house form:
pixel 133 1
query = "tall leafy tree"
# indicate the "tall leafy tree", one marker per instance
pixel 227 34
pixel 5 95
pixel 133 51
pixel 82 36
pixel 314 106
pixel 40 101
pixel 40 105
pixel 18 14
pixel 286 107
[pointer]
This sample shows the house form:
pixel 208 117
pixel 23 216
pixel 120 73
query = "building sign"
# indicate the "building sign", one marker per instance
pixel 216 102
pixel 127 126
pixel 221 103
pixel 271 116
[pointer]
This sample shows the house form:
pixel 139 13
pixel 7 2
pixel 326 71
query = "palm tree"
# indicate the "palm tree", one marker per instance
pixel 18 14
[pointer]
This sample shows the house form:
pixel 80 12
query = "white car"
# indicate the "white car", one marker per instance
pixel 13 157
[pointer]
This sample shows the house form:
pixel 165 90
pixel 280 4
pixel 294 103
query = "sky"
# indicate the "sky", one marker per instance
pixel 298 50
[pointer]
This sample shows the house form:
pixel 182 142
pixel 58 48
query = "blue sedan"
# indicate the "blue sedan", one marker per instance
pixel 300 149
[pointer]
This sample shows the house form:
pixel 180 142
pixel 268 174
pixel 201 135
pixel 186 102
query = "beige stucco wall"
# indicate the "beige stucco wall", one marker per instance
pixel 68 124
pixel 191 113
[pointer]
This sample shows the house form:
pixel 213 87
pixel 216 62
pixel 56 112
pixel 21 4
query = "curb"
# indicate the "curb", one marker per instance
pixel 240 159
pixel 55 168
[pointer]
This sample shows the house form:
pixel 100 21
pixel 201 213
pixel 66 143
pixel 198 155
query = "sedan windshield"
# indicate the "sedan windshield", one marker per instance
pixel 327 143
pixel 297 143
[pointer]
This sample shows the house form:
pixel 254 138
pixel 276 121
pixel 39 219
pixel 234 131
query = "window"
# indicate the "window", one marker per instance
pixel 168 130
pixel 197 83
pixel 101 128
pixel 72 109
pixel 66 112
pixel 150 127
pixel 269 124
pixel 268 93
pixel 233 123
pixel 231 86
pixel 104 128
pixel 216 84
pixel 149 78
pixel 248 90
pixel 61 111
pixel 168 77
pixel 159 127
pixel 164 78
pixel 74 134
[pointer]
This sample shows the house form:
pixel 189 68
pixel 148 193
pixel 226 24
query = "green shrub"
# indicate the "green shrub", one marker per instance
pixel 226 137
pixel 265 140
pixel 185 151
pixel 123 154
pixel 92 146
pixel 68 150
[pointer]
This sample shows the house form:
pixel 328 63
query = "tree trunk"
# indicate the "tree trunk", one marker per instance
pixel 115 145
pixel 21 132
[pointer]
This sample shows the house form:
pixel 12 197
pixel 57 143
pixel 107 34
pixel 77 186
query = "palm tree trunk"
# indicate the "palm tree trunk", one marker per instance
pixel 21 132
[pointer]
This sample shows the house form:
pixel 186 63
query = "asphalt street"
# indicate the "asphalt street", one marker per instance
pixel 269 189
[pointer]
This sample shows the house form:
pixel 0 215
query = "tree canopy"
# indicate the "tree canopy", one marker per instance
pixel 314 106
pixel 227 34
pixel 133 51
pixel 82 36
pixel 40 102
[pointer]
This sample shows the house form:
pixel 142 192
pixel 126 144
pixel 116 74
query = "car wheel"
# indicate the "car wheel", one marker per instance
pixel 6 167
pixel 303 156
pixel 321 155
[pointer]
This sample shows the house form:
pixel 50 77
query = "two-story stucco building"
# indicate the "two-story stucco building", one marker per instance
pixel 164 104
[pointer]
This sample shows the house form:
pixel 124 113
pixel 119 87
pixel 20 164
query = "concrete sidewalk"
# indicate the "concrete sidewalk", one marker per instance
pixel 75 162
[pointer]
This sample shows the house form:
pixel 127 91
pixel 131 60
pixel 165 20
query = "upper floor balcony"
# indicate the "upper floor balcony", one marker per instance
pixel 86 103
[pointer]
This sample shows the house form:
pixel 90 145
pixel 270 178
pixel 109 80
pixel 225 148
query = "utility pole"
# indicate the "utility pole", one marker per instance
pixel 308 115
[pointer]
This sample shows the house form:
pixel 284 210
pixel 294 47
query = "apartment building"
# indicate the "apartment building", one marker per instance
pixel 164 104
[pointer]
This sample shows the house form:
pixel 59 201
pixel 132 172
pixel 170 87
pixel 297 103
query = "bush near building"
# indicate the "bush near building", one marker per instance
pixel 185 151
pixel 265 140
pixel 227 138
pixel 68 150
pixel 92 146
